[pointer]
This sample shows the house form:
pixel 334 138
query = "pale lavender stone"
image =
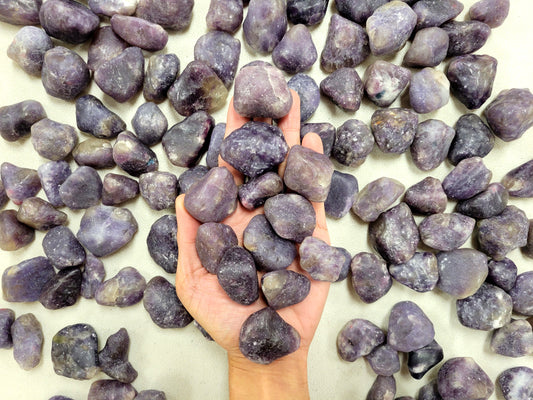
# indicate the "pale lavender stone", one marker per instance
pixel 455 379
pixel 40 214
pixel 385 81
pixel 383 387
pixel 307 12
pixel 104 389
pixel 469 177
pixel 28 341
pixel 428 49
pixel 436 12
pixel 409 328
pixel 522 293
pixel 68 20
pixel 67 358
pixel 358 338
pixel 133 156
pixel 214 197
pixel 384 360
pixel 519 181
pixel 52 175
pixel 341 196
pixel 224 15
pixel 20 183
pixel 353 143
pixel 162 243
pixel 82 189
pixel 104 46
pixel 346 45
pixel 255 148
pixel 292 216
pixel 265 24
pixel 491 12
pixel 122 77
pixel 446 231
pixel 431 144
pixel 513 340
pixel 254 192
pixel 220 51
pixel 212 240
pixel 237 275
pixel 325 130
pixel 420 361
pixel 109 8
pixel 309 94
pixel 344 88
pixel 502 273
pixel 95 153
pixel 516 383
pixel 28 47
pixel 63 290
pixel 93 275
pixel 106 229
pixel 113 358
pixel 14 234
pixel 215 142
pixel 65 74
pixel 394 129
pixel 489 203
pixel 389 27
pixel 370 277
pixel 265 336
pixel 466 36
pixel 159 189
pixel 20 12
pixel 151 395
pixel 429 90
pixel 16 119
pixel 122 290
pixel 53 140
pixel 472 138
pixel 93 117
pixel 161 72
pixel 358 11
pixel 296 52
pixel 320 260
pixel 284 288
pixel 25 281
pixel 420 273
pixel 510 114
pixel 376 197
pixel 394 234
pixel 261 91
pixel 163 305
pixel 7 317
pixel 198 88
pixel 191 176
pixel 454 278
pixel 171 14
pixel 502 233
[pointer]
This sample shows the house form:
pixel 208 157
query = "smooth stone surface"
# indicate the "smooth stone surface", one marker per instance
pixel 133 156
pixel 28 47
pixel 149 123
pixel 255 191
pixel 469 177
pixel 489 203
pixel 265 24
pixel 385 81
pixel 519 181
pixel 16 119
pixel 431 144
pixel 522 292
pixel 394 129
pixel 320 260
pixel 7 317
pixel 420 361
pixel 344 88
pixel 237 275
pixel 345 270
pixel 105 45
pixel 307 12
pixel 20 12
pixel 63 290
pixel 28 341
pixel 159 189
pixel 429 90
pixel 429 391
pixel 112 7
pixel 357 338
pixel 212 240
pixel 124 289
pixel 409 328
pixel 161 72
pixel 383 387
pixel 353 143
pixel 370 277
pixel 171 14
pixel 113 358
pixel 103 389
pixel 62 248
pixel 53 140
pixel 502 273
pixel 14 234
pixel 52 175
pixel 93 275
pixel 472 138
pixel 94 153
pixel 513 340
pixel 191 176
pixel 93 117
pixel 436 12
pixel 82 189
pixel 296 52
pixel 527 250
pixel 341 195
pixel 284 288
pixel 384 360
pixel 40 214
pixel 428 49
pixel 419 273
pixel 162 244
pixel 163 305
pixel 466 36
pixel 118 189
pixel 215 141
pixel 151 394
pixel 461 378
pixel 446 231
pixel 516 383
pixel 19 183
pixel 376 197
pixel 292 216
pixel 325 130
pixel 491 12
pixel 139 32
pixel 224 15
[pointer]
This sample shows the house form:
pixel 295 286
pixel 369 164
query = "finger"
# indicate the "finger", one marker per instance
pixel 290 124
pixel 263 119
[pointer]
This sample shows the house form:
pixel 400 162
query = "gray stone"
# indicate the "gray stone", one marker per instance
pixel 82 189
pixel 104 46
pixel 491 12
pixel 469 177
pixel 212 240
pixel 344 88
pixel 133 156
pixel 224 15
pixel 431 144
pixel 446 231
pixel 93 117
pixel 284 288
pixel 472 138
pixel 53 140
pixel 292 216
pixel 161 72
pixel 163 305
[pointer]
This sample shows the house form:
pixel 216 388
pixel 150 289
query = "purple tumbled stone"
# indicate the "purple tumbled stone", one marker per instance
pixel 53 140
pixel 3 196
pixel 52 175
pixel 513 340
pixel 284 288
pixel 265 24
pixel 161 72
pixel 341 195
pixel 502 273
pixel 191 176
pixel 344 88
pixel 420 273
pixel 82 189
pixel 358 338
pixel 104 389
pixel 113 358
pixel 237 275
pixel 14 234
pixel 163 305
pixel 461 378
pixel 118 189
pixel 345 270
pixel 320 260
pixel 446 231
pixel 436 12
pixel 394 129
pixel 370 277
pixel 420 361
pixel 384 360
pixel 7 317
pixel 385 81
pixel 527 250
pixel 28 341
pixel 28 47
pixel 428 49
pixel 109 8
pixel 409 328
pixel 159 189
pixel 353 142
pixel 389 27
pixel 63 290
pixel 20 12
pixel 429 391
pixel 162 244
pixel 139 32
pixel 469 177
pixel 212 240
pixel 472 138
pixel 307 12
pixel 491 12
pixel 309 94
pixel 519 181
pixel 68 20
pixel 93 275
pixel 489 203
pixel 522 293
pixel 516 383
pixel 454 278
pixel 171 14
pixel 358 11
pixel 346 45
pixel 429 90
pixel 325 130
pixel 215 141
pixel 19 183
pixel 16 119
pixel 149 123
pixel 106 229
pixel 431 144
pixel 104 46
pixel 224 15
pixel 376 197
pixel 40 214
pixel 93 117
pixel 124 289
pixel 151 395
pixel 254 193
pixel 94 153
pixel 465 36
pixel 25 281
pixel 133 156
pixel 292 216
pixel 296 52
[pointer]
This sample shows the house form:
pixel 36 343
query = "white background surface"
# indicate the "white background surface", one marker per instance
pixel 180 361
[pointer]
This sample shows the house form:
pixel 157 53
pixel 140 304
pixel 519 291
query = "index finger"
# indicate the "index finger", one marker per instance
pixel 290 123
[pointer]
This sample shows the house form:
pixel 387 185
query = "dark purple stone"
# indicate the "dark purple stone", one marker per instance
pixel 20 12
pixel 163 305
pixel 14 234
pixel 191 176
pixel 94 153
pixel 159 189
pixel 296 52
pixel 454 278
pixel 151 395
pixel 320 260
pixel 325 130
pixel 468 178
pixel 292 216
pixel 527 250
pixel 385 81
pixel 353 143
pixel 93 275
pixel 65 74
pixel 82 189
pixel 309 94
pixel 62 248
pixel 429 90
pixel 345 270
pixel 489 203
pixel 341 195
pixel 428 49
pixel 376 197
pixel 420 273
pixel 420 361
pixel 105 389
pixel 139 32
pixel 466 36
pixel 254 192
pixel 522 293
pixel 429 391
pixel 118 189
pixel 52 175
pixel 446 231
pixel 133 156
pixel 40 214
pixel 237 275
pixel 113 358
pixel 265 24
pixel 25 281
pixel 455 379
pixel 7 317
pixel 104 46
pixel 383 387
pixel 171 14
pixel 436 12
pixel 519 181
pixel 63 290
pixel 358 338
pixel 125 289
pixel 431 144
pixel 344 88
pixel 394 129
pixel 370 277
pixel 215 142
pixel 28 47
pixel 384 360
pixel 162 244
pixel 16 119
pixel 409 328
pixel 161 73
pixel 28 341
pixel 491 12
pixel 212 240
pixel 19 183
pixel 284 288
pixel 426 196
pixel 472 138
pixel 358 11
pixel 224 15
pixel 516 383
pixel 307 12
pixel 3 196
pixel 53 140
pixel 502 273
pixel 513 340
pixel 93 117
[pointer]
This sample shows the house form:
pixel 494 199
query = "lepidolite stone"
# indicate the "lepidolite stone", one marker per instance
pixel 159 189
pixel 40 214
pixel 307 12
pixel 341 196
pixel 139 32
pixel 420 361
pixel 105 229
pixel 82 189
pixel 237 275
pixel 358 11
pixel 428 49
pixel 68 20
pixel 7 317
pixel 322 261
pixel 466 36
pixel 67 358
pixel 261 91
pixel 385 81
pixel 28 47
pixel 513 340
pixel 370 277
pixel 394 129
pixel 110 8
pixel 358 338
pixel 265 24
pixel 522 293
pixel 162 244
pixel 376 197
pixel 409 328
pixel 487 204
pixel 325 130
pixel 53 140
pixel 384 360
pixel 123 290
pixel 292 216
pixel 16 119
pixel 383 387
pixel 25 281
pixel 419 273
pixel 502 273
pixel 133 156
pixel 431 144
pixel 284 288
pixel 446 231
pixel 344 88
pixel 265 336
pixel 20 12
pixel 491 12
pixel 161 72
pixel 472 138
pixel 254 193
pixel 224 15
pixel 516 383
pixel 389 27
pixel 461 378
pixel 28 341
pixel 353 143
pixel 296 52
pixel 429 391
pixel 93 117
pixel 527 250
pixel 436 12
pixel 151 395
pixel 468 178
pixel 171 14
pixel 190 176
pixel 19 183
pixel 65 74
pixel 429 90
pixel 93 275
pixel 104 388
pixel 104 46
pixel 454 278
pixel 52 175
pixel 163 305
pixel 3 196
pixel 215 141
pixel 13 233
pixel 394 234
pixel 94 153
pixel 212 240
pixel 63 290
pixel 346 45
pixel 519 181
pixel 214 197
pixel 113 358
pixel 510 114
pixel 149 123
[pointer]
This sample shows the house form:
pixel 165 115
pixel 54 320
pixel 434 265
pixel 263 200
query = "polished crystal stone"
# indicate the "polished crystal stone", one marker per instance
pixel 265 24
pixel 28 339
pixel 522 293
pixel 307 12
pixel 25 281
pixel 28 47
pixel 384 360
pixel 95 153
pixel 358 338
pixel 82 189
pixel 62 248
pixel 446 231
pixel 472 138
pixel 16 119
pixel 346 45
pixel 383 387
pixel 118 189
pixel 149 123
pixel 113 358
pixel 237 275
pixel 123 290
pixel 370 277
pixel 105 389
pixel 63 290
pixel 420 273
pixel 191 176
pixel 489 203
pixel 20 12
pixel 394 129
pixel 215 141
pixel 429 90
pixel 133 156
pixel 436 12
pixel 469 177
pixel 284 288
pixel 224 15
pixel 104 46
pixel 296 52
pixel 161 72
pixel 163 305
pixel 409 328
pixel 320 260
pixel 466 36
pixel 139 32
pixel 14 234
pixel 93 275
pixel 519 181
pixel 491 12
pixel 428 49
pixel 516 383
pixel 353 143
pixel 456 379
pixel 513 340
pixel 431 144
pixel 19 183
pixel 454 278
pixel 385 81
pixel 7 317
pixel 324 130
pixel 53 140
pixel 171 14
pixel 342 194
pixel 40 214
pixel 358 11
pixel 159 189
pixel 212 240
pixel 292 216
pixel 162 244
pixel 265 336
pixel 52 175
pixel 112 7
pixel 376 197
pixel 67 358
pixel 254 192
pixel 420 361
pixel 344 88
pixel 93 117
pixel 502 273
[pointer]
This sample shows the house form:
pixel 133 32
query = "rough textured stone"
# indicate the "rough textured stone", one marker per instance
pixel 420 361
pixel 376 197
pixel 436 12
pixel 426 196
pixel 394 129
pixel 466 36
pixel 151 395
pixel 322 261
pixel 255 191
pixel 171 14
pixel 104 389
pixel 20 12
pixel 358 11
pixel 28 47
pixel 237 275
pixel 527 250
pixel 489 203
pixel 429 391
pixel 53 140
pixel 16 119
pixel 28 341
pixel 118 189
pixel 513 340
pixel 224 15
pixel 105 45
pixel 212 240
pixel 63 290
pixel 446 231
pixel 461 378
pixel 133 156
pixel 94 153
pixel 149 123
pixel 428 49
pixel 429 90
pixel 384 360
pixel 385 81
pixel 325 130
pixel 215 141
pixel 522 293
pixel 472 138
pixel 468 178
pixel 519 181
pixel 353 143
pixel 502 273
pixel 409 328
pixel 358 338
pixel 52 175
pixel 14 234
pixel 163 305
pixel 161 72
pixel 162 244
pixel 93 117
pixel 265 24
pixel 113 358
pixel 516 383
pixel 159 189
pixel 292 216
pixel 296 52
pixel 307 12
pixel 123 290
pixel 342 194
pixel 139 32
pixel 62 248
pixel 190 176
pixel 19 183
pixel 40 214
pixel 431 144
pixel 344 88
pixel 491 12
pixel 7 317
pixel 419 273
pixel 93 275
pixel 284 288
pixel 370 277
pixel 82 189
pixel 383 387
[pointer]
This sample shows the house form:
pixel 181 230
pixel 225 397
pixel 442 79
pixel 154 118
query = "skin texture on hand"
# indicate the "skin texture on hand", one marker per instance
pixel 222 318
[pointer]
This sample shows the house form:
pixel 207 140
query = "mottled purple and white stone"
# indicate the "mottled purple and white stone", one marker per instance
pixel 7 317
pixel 384 360
pixel 161 72
pixel 105 388
pixel 109 8
pixel 20 12
pixel 344 88
pixel 159 189
pixel 409 328
pixel 212 240
pixel 14 234
pixel 24 282
pixel 93 275
pixel 383 387
pixel 163 305
pixel 519 181
pixel 170 14
pixel 358 338
pixel 428 49
pixel 19 183
pixel 436 12
pixel 502 273
pixel 370 277
pixel 466 36
pixel 420 273
pixel 63 290
pixel 469 177
pixel 456 379
pixel 358 11
pixel 53 140
pixel 385 81
pixel 93 117
pixel 162 244
pixel 322 261
pixel 431 144
pixel 472 138
pixel 522 293
pixel 16 119
pixel 95 153
pixel 237 275
pixel 28 339
pixel 429 391
pixel 292 216
pixel 307 12
pixel 296 52
pixel 40 214
pixel 527 250
pixel 429 90
pixel 394 129
pixel 82 189
pixel 513 340
pixel 284 288
pixel 133 156
pixel 265 24
pixel 122 290
pixel 376 197
pixel 254 192
pixel 139 32
pixel 353 142
pixel 420 361
pixel 104 46
pixel 28 47
pixel 342 194
pixel 446 231
pixel 516 383
pixel 487 204
pixel 491 12
pixel 224 15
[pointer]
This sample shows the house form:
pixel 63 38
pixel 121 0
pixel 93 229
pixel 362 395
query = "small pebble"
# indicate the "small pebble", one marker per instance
pixel 109 8
pixel 420 273
pixel 163 305
pixel 125 289
pixel 320 260
pixel 104 389
pixel 358 338
pixel 522 293
pixel 446 231
pixel 215 142
pixel 224 15
pixel 139 32
pixel 113 358
pixel 171 14
pixel 516 383
pixel 469 177
pixel 65 74
pixel 284 288
pixel 82 189
pixel 93 275
pixel 502 273
pixel 429 90
pixel 14 234
pixel 7 317
pixel 513 340
pixel 237 275
pixel 420 361
pixel 265 24
pixel 384 360
pixel 191 176
pixel 428 49
pixel 436 12
pixel 307 12
pixel 409 328
pixel 394 129
pixel 344 88
pixel 255 191
pixel 52 175
pixel 376 197
pixel 358 11
pixel 325 130
pixel 93 117
pixel 292 216
pixel 40 214
pixel 491 12
pixel 63 290
pixel 161 72
pixel 461 378
pixel 456 280
pixel 489 203
pixel 212 240
pixel 53 140
pixel 342 194
pixel 519 181
pixel 117 189
pixel 133 156
pixel 20 12
pixel 159 189
pixel 105 45
pixel 383 387
pixel 385 81
pixel 370 277
pixel 62 248
pixel 426 196
pixel 510 114
pixel 466 36
pixel 473 138
pixel 28 341
pixel 16 119
pixel 94 153
pixel 353 143
pixel 28 47
pixel 162 244
pixel 19 183
pixel 431 144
